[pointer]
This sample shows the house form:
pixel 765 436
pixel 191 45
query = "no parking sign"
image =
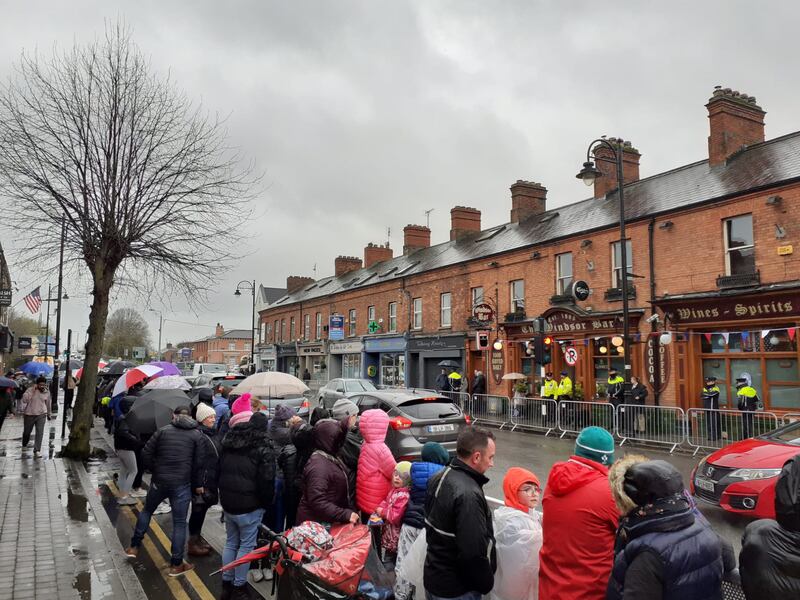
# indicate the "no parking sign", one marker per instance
pixel 571 355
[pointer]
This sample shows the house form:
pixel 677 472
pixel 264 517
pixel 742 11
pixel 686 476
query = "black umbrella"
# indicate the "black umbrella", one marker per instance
pixel 117 367
pixel 153 410
pixel 450 363
pixel 73 365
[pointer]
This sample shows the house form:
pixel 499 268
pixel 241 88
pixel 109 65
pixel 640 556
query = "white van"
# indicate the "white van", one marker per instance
pixel 206 368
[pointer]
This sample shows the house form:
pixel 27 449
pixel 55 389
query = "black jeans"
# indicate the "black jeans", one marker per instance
pixel 197 517
pixel 137 481
pixel 747 424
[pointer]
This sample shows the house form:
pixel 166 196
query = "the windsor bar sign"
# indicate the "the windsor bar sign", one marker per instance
pixel 733 309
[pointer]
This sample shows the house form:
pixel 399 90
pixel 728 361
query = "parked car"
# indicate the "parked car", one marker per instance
pixel 741 477
pixel 299 404
pixel 416 417
pixel 336 389
pixel 213 380
pixel 206 368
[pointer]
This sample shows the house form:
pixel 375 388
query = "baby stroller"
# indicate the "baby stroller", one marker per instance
pixel 347 567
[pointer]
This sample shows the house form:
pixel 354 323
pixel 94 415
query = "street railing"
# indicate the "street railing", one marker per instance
pixel 791 418
pixel 460 399
pixel 489 408
pixel 716 428
pixel 538 414
pixel 656 424
pixel 574 415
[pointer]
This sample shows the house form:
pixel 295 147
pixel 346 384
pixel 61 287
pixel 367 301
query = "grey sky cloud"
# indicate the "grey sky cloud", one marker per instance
pixel 362 115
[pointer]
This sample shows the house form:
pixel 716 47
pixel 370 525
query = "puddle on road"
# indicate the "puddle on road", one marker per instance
pixel 77 507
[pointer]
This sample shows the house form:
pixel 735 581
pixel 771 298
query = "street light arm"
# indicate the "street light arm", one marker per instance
pixel 590 152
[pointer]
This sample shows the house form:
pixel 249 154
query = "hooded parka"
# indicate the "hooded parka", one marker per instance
pixel 174 454
pixel 375 463
pixel 246 469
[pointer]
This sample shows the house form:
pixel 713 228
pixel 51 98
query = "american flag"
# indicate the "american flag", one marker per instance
pixel 33 301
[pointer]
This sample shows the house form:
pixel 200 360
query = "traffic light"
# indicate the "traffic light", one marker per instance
pixel 482 338
pixel 542 349
pixel 547 355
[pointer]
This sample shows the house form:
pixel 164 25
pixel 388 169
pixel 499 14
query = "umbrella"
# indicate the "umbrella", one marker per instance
pixel 153 410
pixel 450 363
pixel 271 384
pixel 36 368
pixel 117 367
pixel 5 382
pixel 454 375
pixel 168 382
pixel 168 368
pixel 134 376
pixel 73 364
pixel 514 376
pixel 79 373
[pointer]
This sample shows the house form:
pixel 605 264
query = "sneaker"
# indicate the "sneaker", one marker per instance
pixel 162 509
pixel 181 569
pixel 132 552
pixel 267 572
pixel 139 493
pixel 256 575
pixel 37 454
pixel 127 501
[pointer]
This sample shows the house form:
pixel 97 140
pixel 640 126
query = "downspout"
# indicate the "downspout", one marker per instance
pixel 653 327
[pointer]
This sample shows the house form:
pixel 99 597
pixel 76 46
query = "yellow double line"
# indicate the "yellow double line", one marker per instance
pixel 172 583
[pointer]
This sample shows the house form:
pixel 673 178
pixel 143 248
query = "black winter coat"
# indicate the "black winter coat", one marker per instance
pixel 461 556
pixel 211 453
pixel 173 454
pixel 302 439
pixel 479 385
pixel 349 454
pixel 125 439
pixel 247 470
pixel 639 395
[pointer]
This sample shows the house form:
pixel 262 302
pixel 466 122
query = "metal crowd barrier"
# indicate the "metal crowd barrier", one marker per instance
pixel 657 424
pixel 574 415
pixel 460 399
pixel 538 414
pixel 491 409
pixel 716 428
pixel 790 418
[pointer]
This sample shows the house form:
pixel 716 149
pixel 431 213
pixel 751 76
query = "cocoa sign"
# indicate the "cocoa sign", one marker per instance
pixel 657 359
pixel 498 364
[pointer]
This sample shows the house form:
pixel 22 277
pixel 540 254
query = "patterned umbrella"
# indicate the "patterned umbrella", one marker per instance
pixel 134 376
pixel 168 382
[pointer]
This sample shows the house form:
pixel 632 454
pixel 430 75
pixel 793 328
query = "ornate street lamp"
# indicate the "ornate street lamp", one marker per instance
pixel 247 285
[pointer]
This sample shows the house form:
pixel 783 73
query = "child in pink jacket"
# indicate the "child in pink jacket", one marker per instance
pixel 375 462
pixel 393 508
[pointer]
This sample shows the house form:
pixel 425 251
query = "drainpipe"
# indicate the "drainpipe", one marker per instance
pixel 653 327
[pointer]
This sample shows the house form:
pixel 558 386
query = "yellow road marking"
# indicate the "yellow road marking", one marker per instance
pixel 202 590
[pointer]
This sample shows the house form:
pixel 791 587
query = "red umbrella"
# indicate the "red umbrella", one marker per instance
pixel 100 365
pixel 134 376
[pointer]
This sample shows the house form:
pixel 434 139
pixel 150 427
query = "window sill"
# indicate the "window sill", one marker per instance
pixel 615 294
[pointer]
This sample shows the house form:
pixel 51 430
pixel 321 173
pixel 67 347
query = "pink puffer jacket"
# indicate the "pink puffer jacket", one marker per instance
pixel 375 463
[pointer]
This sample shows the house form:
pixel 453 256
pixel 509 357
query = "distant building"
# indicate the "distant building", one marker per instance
pixel 225 347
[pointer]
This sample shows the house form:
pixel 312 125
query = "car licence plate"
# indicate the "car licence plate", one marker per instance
pixel 704 484
pixel 440 428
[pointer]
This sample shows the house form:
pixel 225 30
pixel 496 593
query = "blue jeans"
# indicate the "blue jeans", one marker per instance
pixel 179 498
pixel 467 596
pixel 242 531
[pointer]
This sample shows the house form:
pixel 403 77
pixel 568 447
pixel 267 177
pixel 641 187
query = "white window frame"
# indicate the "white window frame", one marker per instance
pixel 517 302
pixel 616 281
pixel 727 240
pixel 318 327
pixel 351 322
pixel 370 314
pixel 283 330
pixel 562 279
pixel 231 346
pixel 292 329
pixel 476 295
pixel 416 305
pixel 392 317
pixel 307 326
pixel 445 310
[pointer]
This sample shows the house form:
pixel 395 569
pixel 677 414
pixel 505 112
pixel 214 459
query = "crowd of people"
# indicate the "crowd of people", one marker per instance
pixel 600 528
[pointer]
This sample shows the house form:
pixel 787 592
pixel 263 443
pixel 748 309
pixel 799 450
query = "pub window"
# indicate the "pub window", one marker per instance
pixel 283 330
pixel 740 255
pixel 445 313
pixel 417 310
pixel 276 332
pixel 517 288
pixel 291 329
pixel 307 327
pixel 318 327
pixel 370 314
pixel 352 322
pixel 477 295
pixel 605 356
pixel 616 262
pixel 392 317
pixel 563 272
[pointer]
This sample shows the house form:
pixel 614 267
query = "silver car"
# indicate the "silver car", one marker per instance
pixel 342 388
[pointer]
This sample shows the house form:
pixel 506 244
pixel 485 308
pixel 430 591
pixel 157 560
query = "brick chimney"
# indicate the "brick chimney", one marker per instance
pixel 605 161
pixel 528 198
pixel 294 283
pixel 416 237
pixel 345 264
pixel 735 121
pixel 219 331
pixel 463 221
pixel 375 253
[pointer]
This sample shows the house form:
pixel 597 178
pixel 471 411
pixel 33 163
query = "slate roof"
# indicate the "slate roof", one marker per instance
pixel 268 295
pixel 758 166
pixel 235 334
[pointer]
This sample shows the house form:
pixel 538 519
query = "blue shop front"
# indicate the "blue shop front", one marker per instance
pixel 385 360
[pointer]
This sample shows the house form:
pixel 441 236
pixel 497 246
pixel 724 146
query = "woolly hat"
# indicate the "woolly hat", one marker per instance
pixel 596 444
pixel 403 469
pixel 284 412
pixel 242 404
pixel 344 408
pixel 433 452
pixel 203 412
pixel 240 417
pixel 515 479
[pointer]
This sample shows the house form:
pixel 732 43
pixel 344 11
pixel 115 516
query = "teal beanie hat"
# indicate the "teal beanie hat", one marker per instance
pixel 433 452
pixel 596 444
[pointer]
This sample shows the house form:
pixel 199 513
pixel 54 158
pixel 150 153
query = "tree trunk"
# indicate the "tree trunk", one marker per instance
pixel 82 418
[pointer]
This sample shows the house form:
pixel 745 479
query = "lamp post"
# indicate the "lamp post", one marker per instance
pixel 589 173
pixel 247 285
pixel 160 325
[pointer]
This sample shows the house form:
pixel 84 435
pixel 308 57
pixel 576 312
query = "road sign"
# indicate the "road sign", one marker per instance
pixel 5 297
pixel 571 356
pixel 186 353
pixel 373 326
pixel 483 313
pixel 24 343
pixel 139 352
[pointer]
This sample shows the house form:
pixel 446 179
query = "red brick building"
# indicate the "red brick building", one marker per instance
pixel 225 347
pixel 710 252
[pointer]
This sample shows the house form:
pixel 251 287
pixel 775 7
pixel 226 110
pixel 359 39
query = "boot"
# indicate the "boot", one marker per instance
pixel 204 543
pixel 241 593
pixel 227 590
pixel 195 548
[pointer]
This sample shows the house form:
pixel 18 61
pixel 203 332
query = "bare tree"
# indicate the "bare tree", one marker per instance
pixel 151 192
pixel 125 330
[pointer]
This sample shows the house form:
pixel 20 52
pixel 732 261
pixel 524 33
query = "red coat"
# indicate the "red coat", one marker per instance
pixel 579 524
pixel 375 462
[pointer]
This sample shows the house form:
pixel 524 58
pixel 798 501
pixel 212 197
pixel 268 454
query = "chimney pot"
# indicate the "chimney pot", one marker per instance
pixel 375 253
pixel 295 283
pixel 735 121
pixel 464 220
pixel 416 237
pixel 607 164
pixel 528 198
pixel 346 264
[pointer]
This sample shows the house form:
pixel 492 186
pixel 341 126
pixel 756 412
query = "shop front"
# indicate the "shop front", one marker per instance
pixel 287 360
pixel 752 335
pixel 311 357
pixel 425 354
pixel 385 360
pixel 344 359
pixel 266 358
pixel 587 345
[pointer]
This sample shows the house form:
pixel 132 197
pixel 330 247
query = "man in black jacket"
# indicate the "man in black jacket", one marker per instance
pixel 461 561
pixel 173 455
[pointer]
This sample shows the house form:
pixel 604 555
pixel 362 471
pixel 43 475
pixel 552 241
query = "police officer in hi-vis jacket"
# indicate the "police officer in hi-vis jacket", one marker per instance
pixel 710 396
pixel 748 403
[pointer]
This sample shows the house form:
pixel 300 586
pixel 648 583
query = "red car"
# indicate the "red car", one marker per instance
pixel 741 477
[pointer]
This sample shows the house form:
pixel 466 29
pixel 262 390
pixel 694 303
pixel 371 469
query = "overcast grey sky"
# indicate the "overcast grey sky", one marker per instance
pixel 364 114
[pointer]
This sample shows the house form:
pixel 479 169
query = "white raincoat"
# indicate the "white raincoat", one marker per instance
pixel 518 537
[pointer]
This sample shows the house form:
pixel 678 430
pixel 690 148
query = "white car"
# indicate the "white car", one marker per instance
pixel 342 388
